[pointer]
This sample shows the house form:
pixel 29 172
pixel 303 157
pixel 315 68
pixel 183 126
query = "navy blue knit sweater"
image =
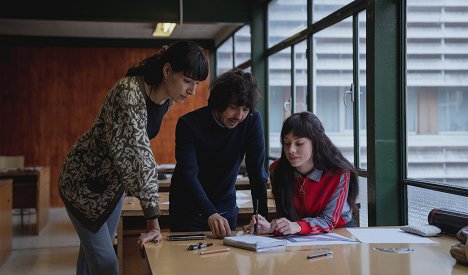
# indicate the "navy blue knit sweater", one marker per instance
pixel 208 160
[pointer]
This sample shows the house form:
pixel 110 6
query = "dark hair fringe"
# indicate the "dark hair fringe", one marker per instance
pixel 183 56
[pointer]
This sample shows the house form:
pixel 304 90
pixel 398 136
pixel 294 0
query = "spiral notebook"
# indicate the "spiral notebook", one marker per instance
pixel 255 242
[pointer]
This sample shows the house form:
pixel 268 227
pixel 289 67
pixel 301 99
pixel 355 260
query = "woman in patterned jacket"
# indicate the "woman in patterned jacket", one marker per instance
pixel 314 185
pixel 115 156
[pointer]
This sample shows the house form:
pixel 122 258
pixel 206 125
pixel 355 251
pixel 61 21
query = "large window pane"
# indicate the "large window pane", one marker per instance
pixel 224 57
pixel 323 8
pixel 362 92
pixel 437 91
pixel 300 76
pixel 242 45
pixel 333 76
pixel 279 92
pixel 285 18
pixel 422 201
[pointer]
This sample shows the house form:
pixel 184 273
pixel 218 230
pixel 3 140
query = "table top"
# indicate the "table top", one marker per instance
pixel 26 171
pixel 166 183
pixel 131 205
pixel 172 257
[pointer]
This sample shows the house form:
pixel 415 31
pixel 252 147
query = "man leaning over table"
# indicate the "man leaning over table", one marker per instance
pixel 211 143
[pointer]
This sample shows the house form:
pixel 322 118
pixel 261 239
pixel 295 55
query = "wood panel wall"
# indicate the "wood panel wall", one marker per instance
pixel 51 95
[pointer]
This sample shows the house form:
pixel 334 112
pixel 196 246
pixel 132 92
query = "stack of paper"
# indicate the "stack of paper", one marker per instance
pixel 255 242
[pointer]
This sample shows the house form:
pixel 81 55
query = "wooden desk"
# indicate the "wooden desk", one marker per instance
pixel 6 226
pixel 166 168
pixel 132 223
pixel 242 183
pixel 31 190
pixel 348 259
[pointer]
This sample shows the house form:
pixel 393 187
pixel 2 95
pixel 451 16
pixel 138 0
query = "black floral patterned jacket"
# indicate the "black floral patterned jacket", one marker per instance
pixel 113 157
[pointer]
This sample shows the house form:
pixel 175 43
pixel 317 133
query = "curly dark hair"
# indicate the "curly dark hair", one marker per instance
pixel 234 87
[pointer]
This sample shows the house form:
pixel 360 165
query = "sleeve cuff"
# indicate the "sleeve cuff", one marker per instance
pixel 305 227
pixel 151 213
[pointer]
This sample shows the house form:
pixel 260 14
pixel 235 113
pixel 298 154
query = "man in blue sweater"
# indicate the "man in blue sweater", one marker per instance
pixel 211 143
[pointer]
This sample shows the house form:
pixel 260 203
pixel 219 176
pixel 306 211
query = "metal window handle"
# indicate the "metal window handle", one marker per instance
pixel 287 105
pixel 349 92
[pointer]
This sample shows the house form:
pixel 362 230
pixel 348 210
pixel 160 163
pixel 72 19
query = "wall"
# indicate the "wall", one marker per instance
pixel 51 95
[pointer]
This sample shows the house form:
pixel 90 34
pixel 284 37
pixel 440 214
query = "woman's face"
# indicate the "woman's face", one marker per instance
pixel 299 151
pixel 178 86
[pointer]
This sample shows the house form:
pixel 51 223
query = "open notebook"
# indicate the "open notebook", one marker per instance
pixel 255 242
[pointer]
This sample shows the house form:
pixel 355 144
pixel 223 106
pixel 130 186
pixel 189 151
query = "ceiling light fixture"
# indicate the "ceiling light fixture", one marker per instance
pixel 164 29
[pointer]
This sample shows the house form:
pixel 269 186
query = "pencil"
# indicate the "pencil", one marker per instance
pixel 214 251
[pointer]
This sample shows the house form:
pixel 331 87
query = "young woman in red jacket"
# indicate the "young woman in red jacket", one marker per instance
pixel 314 185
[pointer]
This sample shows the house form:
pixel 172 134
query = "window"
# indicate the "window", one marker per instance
pixel 279 92
pixel 333 77
pixel 437 93
pixel 242 45
pixel 285 18
pixel 224 57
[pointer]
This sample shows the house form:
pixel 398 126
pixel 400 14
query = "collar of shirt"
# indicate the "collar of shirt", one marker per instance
pixel 216 120
pixel 315 175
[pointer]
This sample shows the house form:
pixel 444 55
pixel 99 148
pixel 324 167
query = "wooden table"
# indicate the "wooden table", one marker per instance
pixel 6 227
pixel 166 168
pixel 242 183
pixel 132 223
pixel 348 259
pixel 31 189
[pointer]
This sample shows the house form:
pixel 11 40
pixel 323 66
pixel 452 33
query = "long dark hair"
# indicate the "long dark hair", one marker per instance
pixel 325 156
pixel 183 56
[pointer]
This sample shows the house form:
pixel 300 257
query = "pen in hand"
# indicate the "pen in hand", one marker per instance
pixel 256 218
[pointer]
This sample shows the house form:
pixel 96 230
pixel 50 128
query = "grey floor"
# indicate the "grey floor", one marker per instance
pixel 53 251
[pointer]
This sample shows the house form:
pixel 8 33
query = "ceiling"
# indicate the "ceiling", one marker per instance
pixel 115 30
pixel 118 19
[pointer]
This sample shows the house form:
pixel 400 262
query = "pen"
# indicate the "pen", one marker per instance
pixel 321 254
pixel 214 251
pixel 199 246
pixel 256 218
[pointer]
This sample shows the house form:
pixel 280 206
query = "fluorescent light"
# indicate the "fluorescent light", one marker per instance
pixel 164 29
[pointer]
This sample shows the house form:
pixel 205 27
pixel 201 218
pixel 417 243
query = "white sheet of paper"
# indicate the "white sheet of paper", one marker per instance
pixel 243 195
pixel 386 235
pixel 242 201
pixel 322 239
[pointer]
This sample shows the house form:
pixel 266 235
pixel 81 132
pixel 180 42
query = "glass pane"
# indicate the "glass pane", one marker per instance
pixel 285 18
pixel 421 201
pixel 323 8
pixel 437 91
pixel 224 58
pixel 362 92
pixel 362 199
pixel 242 45
pixel 279 92
pixel 333 75
pixel 300 76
